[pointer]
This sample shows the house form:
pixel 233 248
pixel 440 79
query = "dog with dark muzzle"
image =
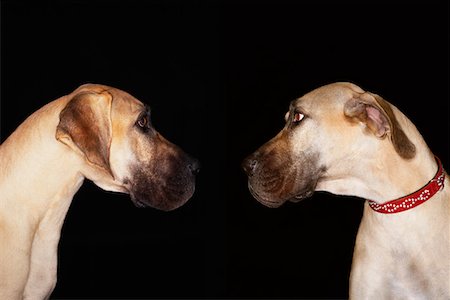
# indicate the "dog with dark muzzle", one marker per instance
pixel 344 140
pixel 96 132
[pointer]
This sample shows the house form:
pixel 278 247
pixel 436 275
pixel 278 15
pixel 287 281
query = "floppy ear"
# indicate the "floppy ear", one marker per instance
pixel 379 118
pixel 85 126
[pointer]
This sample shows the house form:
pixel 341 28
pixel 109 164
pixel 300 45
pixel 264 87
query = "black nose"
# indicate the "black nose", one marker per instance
pixel 194 166
pixel 249 165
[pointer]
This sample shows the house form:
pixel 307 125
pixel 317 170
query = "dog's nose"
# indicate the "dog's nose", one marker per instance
pixel 249 165
pixel 194 166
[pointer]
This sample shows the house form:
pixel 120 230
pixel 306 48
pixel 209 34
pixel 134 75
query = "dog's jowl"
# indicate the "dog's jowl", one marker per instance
pixel 96 132
pixel 344 140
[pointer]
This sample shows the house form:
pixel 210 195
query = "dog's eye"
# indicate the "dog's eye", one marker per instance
pixel 298 117
pixel 143 121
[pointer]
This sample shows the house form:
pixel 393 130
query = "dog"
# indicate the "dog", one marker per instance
pixel 96 132
pixel 346 141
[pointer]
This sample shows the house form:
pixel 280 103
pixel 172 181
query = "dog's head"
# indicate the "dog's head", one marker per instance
pixel 113 133
pixel 326 131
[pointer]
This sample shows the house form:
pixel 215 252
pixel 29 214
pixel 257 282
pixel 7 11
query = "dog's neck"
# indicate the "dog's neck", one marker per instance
pixel 382 179
pixel 36 163
pixel 384 175
pixel 394 177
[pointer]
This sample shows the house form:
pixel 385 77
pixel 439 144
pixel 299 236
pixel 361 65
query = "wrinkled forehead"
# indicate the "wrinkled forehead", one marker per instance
pixel 125 105
pixel 326 97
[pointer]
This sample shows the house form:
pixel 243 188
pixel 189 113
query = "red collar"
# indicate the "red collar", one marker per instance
pixel 412 200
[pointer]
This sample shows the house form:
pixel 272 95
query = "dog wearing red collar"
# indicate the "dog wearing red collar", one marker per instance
pixel 344 140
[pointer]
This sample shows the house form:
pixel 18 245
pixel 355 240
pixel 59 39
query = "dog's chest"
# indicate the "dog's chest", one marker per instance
pixel 393 261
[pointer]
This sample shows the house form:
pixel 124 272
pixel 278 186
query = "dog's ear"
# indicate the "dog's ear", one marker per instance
pixel 380 119
pixel 85 126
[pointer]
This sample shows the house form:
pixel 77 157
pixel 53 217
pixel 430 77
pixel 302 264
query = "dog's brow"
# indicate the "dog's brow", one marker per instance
pixel 292 104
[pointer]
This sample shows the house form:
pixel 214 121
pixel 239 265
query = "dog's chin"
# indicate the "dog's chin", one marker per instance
pixel 163 200
pixel 167 203
pixel 301 197
pixel 265 200
pixel 270 203
pixel 275 202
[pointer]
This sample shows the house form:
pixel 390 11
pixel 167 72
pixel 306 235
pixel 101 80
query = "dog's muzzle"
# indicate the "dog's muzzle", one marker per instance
pixel 165 186
pixel 274 177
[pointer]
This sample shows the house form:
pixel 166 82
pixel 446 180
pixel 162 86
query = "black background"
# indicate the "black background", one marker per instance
pixel 219 77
